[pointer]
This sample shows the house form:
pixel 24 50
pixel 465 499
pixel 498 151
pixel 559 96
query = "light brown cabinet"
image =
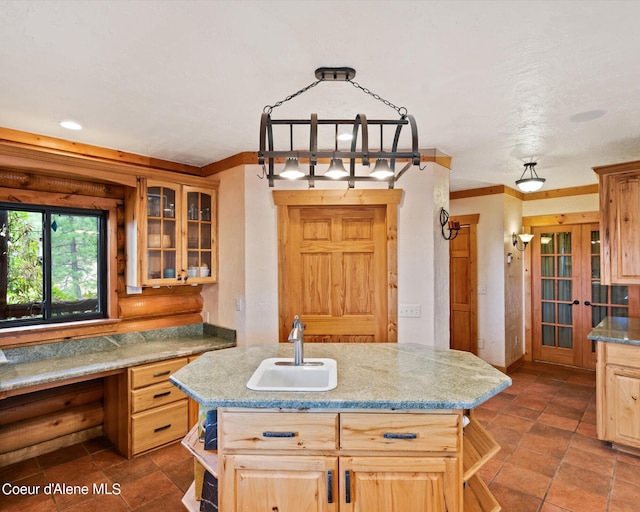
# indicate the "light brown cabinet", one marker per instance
pixel 143 410
pixel 346 462
pixel 618 395
pixel 620 222
pixel 171 234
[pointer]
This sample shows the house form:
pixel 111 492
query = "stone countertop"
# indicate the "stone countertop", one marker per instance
pixel 370 376
pixel 49 363
pixel 617 329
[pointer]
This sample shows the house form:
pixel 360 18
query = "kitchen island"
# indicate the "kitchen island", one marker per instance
pixel 390 437
pixel 618 382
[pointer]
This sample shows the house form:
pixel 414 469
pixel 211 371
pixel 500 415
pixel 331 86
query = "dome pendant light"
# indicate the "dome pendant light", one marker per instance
pixel 533 182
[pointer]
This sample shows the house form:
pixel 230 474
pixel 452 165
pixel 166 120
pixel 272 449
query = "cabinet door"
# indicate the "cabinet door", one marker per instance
pixel 400 484
pixel 162 234
pixel 264 483
pixel 623 405
pixel 620 210
pixel 199 252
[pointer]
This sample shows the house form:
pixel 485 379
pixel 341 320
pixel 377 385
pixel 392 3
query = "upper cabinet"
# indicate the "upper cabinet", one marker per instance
pixel 171 234
pixel 620 222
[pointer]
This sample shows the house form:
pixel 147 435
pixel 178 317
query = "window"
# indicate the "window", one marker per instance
pixel 52 264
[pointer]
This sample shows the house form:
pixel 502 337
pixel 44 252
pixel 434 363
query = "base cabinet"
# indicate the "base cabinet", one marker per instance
pixel 618 395
pixel 143 410
pixel 322 461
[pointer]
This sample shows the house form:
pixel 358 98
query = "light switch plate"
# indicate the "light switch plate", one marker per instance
pixel 409 310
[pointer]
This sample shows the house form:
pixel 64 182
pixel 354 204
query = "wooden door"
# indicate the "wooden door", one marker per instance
pixel 337 265
pixel 463 317
pixel 568 297
pixel 264 483
pixel 400 484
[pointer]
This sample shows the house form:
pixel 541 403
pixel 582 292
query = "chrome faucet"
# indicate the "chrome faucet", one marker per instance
pixel 297 337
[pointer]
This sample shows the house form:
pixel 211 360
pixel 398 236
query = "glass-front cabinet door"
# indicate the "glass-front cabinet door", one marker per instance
pixel 200 251
pixel 162 233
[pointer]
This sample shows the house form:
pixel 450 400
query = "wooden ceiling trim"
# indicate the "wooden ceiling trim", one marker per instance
pixel 65 147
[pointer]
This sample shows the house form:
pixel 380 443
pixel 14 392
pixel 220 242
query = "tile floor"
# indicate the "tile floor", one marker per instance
pixel 550 459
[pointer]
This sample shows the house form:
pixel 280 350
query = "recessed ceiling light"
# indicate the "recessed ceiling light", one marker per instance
pixel 71 125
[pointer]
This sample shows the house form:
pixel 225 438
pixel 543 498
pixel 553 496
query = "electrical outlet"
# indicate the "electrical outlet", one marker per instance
pixel 238 304
pixel 482 290
pixel 480 343
pixel 409 310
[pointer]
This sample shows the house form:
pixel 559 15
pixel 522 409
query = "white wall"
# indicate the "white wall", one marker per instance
pixel 423 256
pixel 220 298
pixel 569 204
pixel 492 249
pixel 248 252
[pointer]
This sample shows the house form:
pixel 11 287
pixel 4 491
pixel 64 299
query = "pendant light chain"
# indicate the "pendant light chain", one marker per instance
pixel 269 108
pixel 402 111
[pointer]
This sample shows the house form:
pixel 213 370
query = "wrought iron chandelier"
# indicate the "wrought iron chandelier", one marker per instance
pixel 360 132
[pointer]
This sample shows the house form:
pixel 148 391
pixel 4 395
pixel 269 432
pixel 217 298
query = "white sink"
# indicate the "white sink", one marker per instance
pixel 280 374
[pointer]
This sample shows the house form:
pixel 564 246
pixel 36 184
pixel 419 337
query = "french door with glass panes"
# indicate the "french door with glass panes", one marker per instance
pixel 568 298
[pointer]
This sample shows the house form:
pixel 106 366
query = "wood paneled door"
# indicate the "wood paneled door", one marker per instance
pixel 568 297
pixel 337 265
pixel 463 278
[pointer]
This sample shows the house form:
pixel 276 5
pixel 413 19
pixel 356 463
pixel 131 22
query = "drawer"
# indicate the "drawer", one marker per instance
pixel 156 372
pixel 150 429
pixel 154 396
pixel 401 432
pixel 623 355
pixel 278 431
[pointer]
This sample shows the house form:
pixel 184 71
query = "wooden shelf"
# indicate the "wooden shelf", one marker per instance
pixel 478 497
pixel 189 499
pixel 208 458
pixel 477 448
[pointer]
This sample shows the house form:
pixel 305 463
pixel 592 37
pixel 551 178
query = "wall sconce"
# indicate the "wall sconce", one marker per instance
pixel 452 226
pixel 523 239
pixel 356 132
pixel 533 182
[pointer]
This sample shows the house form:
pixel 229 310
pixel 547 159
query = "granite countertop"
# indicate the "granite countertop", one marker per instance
pixel 617 329
pixel 370 376
pixel 47 363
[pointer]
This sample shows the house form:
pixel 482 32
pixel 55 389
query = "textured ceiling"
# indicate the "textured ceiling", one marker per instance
pixel 490 83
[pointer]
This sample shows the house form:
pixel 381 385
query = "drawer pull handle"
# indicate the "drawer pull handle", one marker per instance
pixel 393 435
pixel 347 486
pixel 160 395
pixel 161 374
pixel 330 486
pixel 160 429
pixel 279 434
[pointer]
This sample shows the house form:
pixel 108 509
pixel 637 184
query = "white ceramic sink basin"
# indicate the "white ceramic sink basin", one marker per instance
pixel 280 374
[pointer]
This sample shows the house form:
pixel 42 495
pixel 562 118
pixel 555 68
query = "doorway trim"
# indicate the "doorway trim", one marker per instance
pixel 390 198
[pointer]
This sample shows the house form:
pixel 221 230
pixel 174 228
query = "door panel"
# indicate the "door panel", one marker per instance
pixel 335 273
